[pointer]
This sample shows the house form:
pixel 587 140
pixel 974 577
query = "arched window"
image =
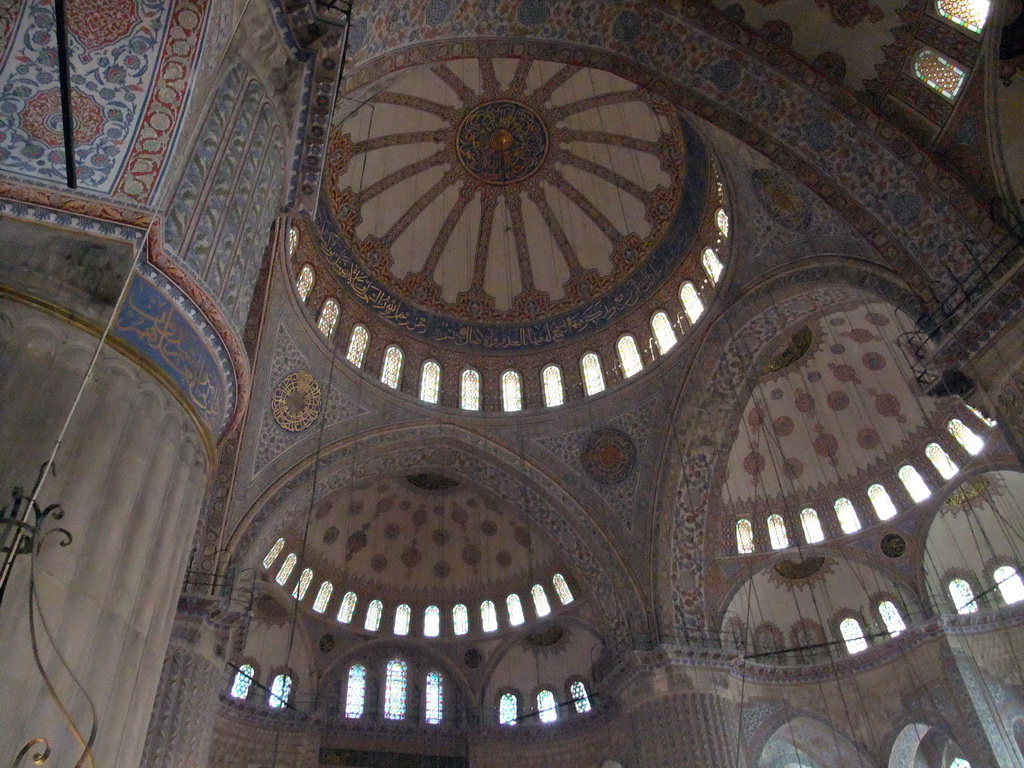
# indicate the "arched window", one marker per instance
pixel 663 332
pixel 882 502
pixel 394 690
pixel 460 619
pixel 508 709
pixel 692 305
pixel 515 610
pixel 914 483
pixel 355 693
pixel 847 515
pixel 982 417
pixel 280 690
pixel 967 13
pixel 540 600
pixel 511 391
pixel 812 526
pixel 629 356
pixel 777 532
pixel 302 585
pixel 357 344
pixel 963 597
pixel 348 607
pixel 430 382
pixel 959 762
pixel 546 707
pixel 304 282
pixel 286 568
pixel 243 682
pixel 580 699
pixel 469 390
pixel 328 318
pixel 391 371
pixel 722 220
pixel 323 596
pixel 293 241
pixel 890 614
pixel 712 265
pixel 273 554
pixel 432 621
pixel 593 376
pixel 938 73
pixel 489 616
pixel 853 635
pixel 966 436
pixel 562 589
pixel 1010 585
pixel 435 698
pixel 744 537
pixel 551 379
pixel 403 614
pixel 374 611
pixel 941 461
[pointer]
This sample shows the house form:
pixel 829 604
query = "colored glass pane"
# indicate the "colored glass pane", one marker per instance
pixel 744 537
pixel 562 589
pixel 847 515
pixel 430 382
pixel 489 616
pixel 692 305
pixel 982 417
pixel 629 356
pixel 403 614
pixel 966 436
pixel 580 699
pixel 540 600
pixel 941 461
pixel 273 554
pixel 280 690
pixel 963 597
pixel 959 762
pixel 302 585
pixel 435 697
pixel 664 333
pixel 394 689
pixel 304 282
pixel 460 619
pixel 712 264
pixel 515 610
pixel 812 526
pixel 348 607
pixel 328 317
pixel 894 623
pixel 511 391
pixel 882 502
pixel 938 72
pixel 722 220
pixel 777 532
pixel 355 694
pixel 357 344
pixel 1011 587
pixel 293 241
pixel 374 612
pixel 391 371
pixel 508 709
pixel 432 621
pixel 967 13
pixel 853 635
pixel 286 569
pixel 469 390
pixel 914 483
pixel 243 681
pixel 546 707
pixel 323 596
pixel 593 376
pixel 554 392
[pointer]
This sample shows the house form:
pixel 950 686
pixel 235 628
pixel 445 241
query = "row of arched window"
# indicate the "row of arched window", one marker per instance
pixel 938 72
pixel 511 713
pixel 1006 579
pixel 278 694
pixel 881 502
pixel 432 615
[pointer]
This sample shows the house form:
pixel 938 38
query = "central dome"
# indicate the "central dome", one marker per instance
pixel 508 204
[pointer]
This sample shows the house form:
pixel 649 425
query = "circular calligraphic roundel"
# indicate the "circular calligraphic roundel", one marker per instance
pixel 296 401
pixel 502 142
pixel 608 456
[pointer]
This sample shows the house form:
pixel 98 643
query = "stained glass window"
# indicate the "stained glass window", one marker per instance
pixel 460 619
pixel 435 697
pixel 323 596
pixel 304 282
pixel 286 568
pixel 941 461
pixel 629 356
pixel 469 392
pixel 812 526
pixel 303 583
pixel 847 515
pixel 357 344
pixel 967 13
pixel 328 317
pixel 894 623
pixel 712 265
pixel 355 695
pixel 508 709
pixel 580 699
pixel 562 589
pixel 938 72
pixel 489 616
pixel 722 220
pixel 692 305
pixel 882 502
pixel 432 621
pixel 273 554
pixel 965 436
pixel 664 333
pixel 982 417
pixel 853 635
pixel 963 597
pixel 546 707
pixel 511 391
pixel 280 690
pixel 744 537
pixel 515 610
pixel 374 611
pixel 593 376
pixel 243 681
pixel 348 607
pixel 540 600
pixel 293 241
pixel 391 371
pixel 394 690
pixel 402 616
pixel 777 532
pixel 1010 585
pixel 959 762
pixel 430 382
pixel 554 392
pixel 914 483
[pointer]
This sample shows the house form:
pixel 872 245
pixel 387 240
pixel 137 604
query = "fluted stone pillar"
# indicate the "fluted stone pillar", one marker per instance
pixel 130 476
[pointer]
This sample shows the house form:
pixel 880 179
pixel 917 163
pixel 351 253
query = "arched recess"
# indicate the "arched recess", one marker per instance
pixel 919 745
pixel 806 742
pixel 450 450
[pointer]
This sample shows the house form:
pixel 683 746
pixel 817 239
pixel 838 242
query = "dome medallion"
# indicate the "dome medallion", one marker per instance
pixel 502 142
